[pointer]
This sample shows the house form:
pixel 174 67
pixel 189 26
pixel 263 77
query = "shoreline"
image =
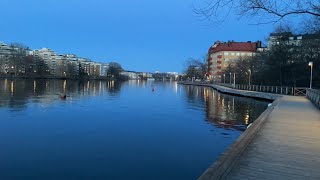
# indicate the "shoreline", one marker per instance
pixel 57 78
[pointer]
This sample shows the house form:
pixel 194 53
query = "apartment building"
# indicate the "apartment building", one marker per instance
pixel 10 59
pixel 56 64
pixel 5 52
pixel 59 65
pixel 290 39
pixel 129 74
pixel 221 54
pixel 104 69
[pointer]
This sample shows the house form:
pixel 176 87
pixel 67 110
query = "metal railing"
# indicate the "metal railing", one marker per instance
pixel 286 90
pixel 314 96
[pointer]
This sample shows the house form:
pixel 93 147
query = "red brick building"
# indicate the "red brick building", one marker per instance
pixel 221 54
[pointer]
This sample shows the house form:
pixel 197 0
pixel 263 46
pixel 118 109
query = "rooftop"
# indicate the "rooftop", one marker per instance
pixel 234 46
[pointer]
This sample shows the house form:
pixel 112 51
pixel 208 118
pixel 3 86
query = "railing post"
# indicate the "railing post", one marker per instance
pixel 292 90
pixel 286 90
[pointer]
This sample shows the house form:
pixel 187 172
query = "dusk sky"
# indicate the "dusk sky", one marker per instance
pixel 142 35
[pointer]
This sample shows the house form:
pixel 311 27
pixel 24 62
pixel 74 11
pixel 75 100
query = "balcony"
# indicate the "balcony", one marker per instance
pixel 218 67
pixel 219 73
pixel 219 61
pixel 219 56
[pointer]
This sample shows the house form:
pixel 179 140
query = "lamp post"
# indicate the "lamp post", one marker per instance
pixel 224 78
pixel 234 80
pixel 230 77
pixel 249 77
pixel 311 66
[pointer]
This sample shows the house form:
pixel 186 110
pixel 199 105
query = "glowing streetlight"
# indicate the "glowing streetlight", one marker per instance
pixel 311 66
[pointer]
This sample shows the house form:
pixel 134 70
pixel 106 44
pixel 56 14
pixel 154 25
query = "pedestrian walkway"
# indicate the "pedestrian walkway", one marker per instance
pixel 286 147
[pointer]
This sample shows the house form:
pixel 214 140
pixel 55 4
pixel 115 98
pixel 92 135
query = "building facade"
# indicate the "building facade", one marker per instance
pixel 129 74
pixel 11 59
pixel 287 38
pixel 104 69
pixel 222 54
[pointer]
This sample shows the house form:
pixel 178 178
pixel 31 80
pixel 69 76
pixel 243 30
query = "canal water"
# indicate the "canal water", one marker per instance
pixel 112 130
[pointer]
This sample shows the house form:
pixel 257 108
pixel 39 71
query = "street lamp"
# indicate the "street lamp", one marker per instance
pixel 311 66
pixel 224 78
pixel 249 77
pixel 234 80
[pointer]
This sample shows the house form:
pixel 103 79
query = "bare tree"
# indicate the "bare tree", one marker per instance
pixel 195 68
pixel 217 10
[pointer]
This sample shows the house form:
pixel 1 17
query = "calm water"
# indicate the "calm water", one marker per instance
pixel 108 130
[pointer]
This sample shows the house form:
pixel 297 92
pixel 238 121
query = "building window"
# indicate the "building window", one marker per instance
pixel 249 54
pixel 226 53
pixel 238 54
pixel 299 37
pixel 243 54
pixel 232 54
pixel 226 59
pixel 291 38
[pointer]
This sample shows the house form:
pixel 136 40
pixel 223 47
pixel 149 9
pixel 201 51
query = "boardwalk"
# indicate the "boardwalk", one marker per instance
pixel 286 147
pixel 285 142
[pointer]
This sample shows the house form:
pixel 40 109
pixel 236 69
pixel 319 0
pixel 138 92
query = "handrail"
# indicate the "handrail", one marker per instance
pixel 314 96
pixel 286 90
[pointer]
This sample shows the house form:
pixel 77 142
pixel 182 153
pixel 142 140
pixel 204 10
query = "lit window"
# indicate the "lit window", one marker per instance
pixel 226 59
pixel 238 54
pixel 299 37
pixel 226 53
pixel 243 54
pixel 232 54
pixel 249 54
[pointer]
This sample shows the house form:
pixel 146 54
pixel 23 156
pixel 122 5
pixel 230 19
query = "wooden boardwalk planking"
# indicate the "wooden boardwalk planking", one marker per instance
pixel 286 147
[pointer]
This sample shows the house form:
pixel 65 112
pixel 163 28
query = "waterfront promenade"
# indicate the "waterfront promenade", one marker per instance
pixel 286 147
pixel 284 143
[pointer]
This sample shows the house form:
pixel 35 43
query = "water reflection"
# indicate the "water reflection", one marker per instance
pixel 16 93
pixel 225 110
pixel 112 130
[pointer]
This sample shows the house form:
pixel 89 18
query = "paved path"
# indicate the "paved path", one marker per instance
pixel 286 147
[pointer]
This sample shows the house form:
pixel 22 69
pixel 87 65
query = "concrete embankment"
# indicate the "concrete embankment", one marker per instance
pixel 282 143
